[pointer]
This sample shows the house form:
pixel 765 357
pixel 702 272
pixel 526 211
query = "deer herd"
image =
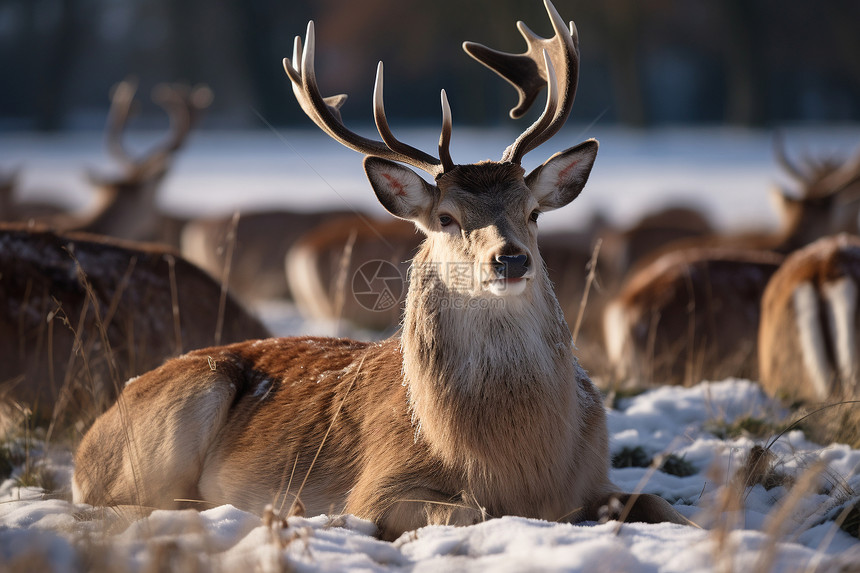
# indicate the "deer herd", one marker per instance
pixel 128 326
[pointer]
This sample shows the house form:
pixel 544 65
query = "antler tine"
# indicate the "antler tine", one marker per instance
pixel 528 73
pixel 122 98
pixel 445 137
pixel 325 112
pixel 782 158
pixel 841 177
pixel 178 109
pixel 406 153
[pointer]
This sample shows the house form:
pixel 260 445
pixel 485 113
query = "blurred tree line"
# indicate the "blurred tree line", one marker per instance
pixel 644 62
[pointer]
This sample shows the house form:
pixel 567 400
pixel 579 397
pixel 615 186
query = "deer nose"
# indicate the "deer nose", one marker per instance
pixel 512 266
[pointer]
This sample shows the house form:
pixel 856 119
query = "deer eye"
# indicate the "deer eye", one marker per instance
pixel 534 216
pixel 445 220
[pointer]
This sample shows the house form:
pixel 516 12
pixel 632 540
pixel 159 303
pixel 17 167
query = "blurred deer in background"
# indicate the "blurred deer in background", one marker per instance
pixel 693 312
pixel 808 336
pixel 583 292
pixel 125 206
pixel 249 251
pixel 80 314
pixel 327 268
pixel 479 408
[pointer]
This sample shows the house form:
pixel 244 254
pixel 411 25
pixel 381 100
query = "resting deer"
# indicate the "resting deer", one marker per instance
pixel 81 313
pixel 807 339
pixel 479 408
pixel 692 313
pixel 125 206
pixel 322 265
pixel 249 252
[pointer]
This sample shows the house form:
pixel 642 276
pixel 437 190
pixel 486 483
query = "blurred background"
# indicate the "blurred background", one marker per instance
pixel 645 63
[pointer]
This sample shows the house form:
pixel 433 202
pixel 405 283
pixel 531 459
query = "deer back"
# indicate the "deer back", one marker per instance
pixel 808 343
pixel 344 268
pixel 82 314
pixel 689 315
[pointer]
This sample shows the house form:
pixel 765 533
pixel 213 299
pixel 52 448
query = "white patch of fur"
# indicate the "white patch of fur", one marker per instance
pixel 77 494
pixel 841 297
pixel 812 347
pixel 304 283
pixel 194 245
pixel 615 331
pixel 506 288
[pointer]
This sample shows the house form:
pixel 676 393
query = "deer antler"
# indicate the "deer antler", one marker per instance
pixel 183 105
pixel 841 176
pixel 530 71
pixel 818 178
pixel 121 101
pixel 325 113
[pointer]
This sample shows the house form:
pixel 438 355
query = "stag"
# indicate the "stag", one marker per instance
pixel 477 408
pixel 81 313
pixel 125 205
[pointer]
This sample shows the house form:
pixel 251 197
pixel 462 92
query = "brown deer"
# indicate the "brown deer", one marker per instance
pixel 479 408
pixel 807 338
pixel 125 205
pixel 249 251
pixel 692 312
pixel 79 314
pixel 336 270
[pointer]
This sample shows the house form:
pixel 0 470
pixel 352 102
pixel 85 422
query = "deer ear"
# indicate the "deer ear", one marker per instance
pixel 559 181
pixel 400 190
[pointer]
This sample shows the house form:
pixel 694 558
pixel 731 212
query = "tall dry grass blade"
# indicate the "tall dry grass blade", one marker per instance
pixel 229 249
pixel 724 516
pixel 794 424
pixel 690 362
pixel 589 280
pixel 325 436
pixel 174 302
pixel 827 539
pixel 634 495
pixel 340 277
pixel 289 485
pixel 778 521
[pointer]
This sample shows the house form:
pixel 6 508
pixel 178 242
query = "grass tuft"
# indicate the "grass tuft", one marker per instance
pixel 851 523
pixel 745 427
pixel 637 457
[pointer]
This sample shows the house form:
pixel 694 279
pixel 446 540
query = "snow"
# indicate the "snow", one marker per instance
pixel 721 169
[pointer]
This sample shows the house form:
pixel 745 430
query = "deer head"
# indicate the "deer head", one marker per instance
pixel 827 198
pixel 184 106
pixel 480 218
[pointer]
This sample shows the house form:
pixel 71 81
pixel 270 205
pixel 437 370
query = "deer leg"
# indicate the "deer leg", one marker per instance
pixel 414 508
pixel 632 507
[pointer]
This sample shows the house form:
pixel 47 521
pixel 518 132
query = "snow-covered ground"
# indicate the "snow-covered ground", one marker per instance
pixel 55 535
pixel 726 171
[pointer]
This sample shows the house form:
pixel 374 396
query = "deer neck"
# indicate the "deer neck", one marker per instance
pixel 485 374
